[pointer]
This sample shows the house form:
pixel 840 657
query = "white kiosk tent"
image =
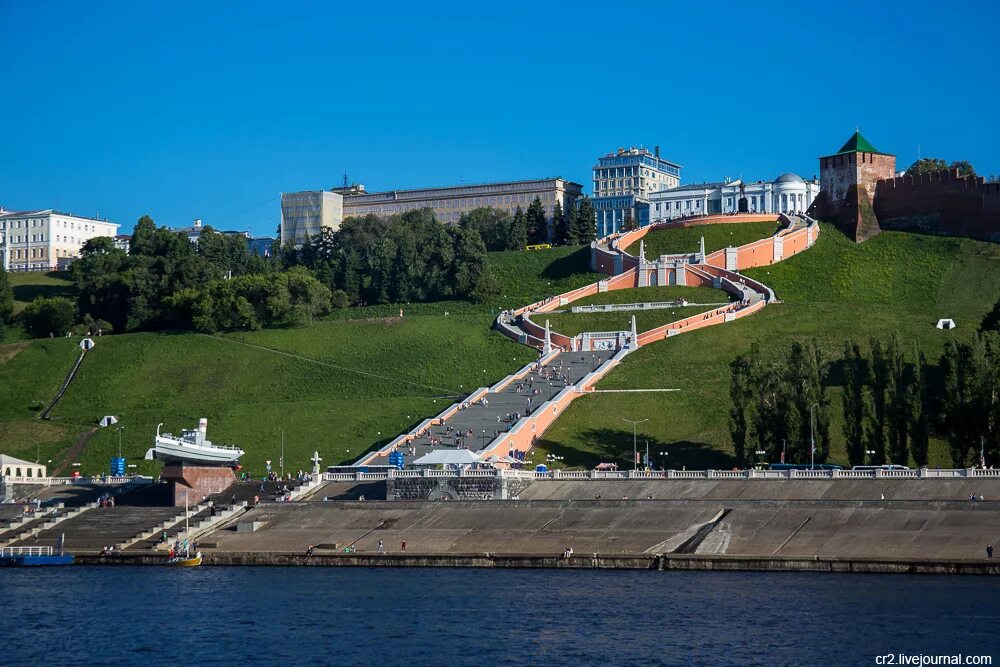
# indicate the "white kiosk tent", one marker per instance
pixel 13 467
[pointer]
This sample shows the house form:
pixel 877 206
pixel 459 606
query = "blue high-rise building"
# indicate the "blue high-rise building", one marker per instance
pixel 623 183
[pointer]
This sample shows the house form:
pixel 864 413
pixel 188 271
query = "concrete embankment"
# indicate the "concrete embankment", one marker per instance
pixel 577 561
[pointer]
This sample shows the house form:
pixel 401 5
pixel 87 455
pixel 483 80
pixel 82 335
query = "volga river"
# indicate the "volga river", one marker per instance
pixel 330 616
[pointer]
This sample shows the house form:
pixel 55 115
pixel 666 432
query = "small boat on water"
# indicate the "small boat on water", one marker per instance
pixel 36 556
pixel 192 447
pixel 185 559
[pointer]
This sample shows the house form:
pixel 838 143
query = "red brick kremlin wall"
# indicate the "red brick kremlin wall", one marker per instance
pixel 940 203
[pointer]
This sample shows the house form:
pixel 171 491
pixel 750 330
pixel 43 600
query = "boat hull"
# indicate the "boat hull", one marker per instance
pixel 172 451
pixel 185 562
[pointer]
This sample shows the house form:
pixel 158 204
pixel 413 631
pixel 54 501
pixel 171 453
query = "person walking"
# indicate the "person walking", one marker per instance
pixel 381 547
pixel 989 551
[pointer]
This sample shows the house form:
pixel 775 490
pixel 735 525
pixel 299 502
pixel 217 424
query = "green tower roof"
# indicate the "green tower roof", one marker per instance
pixel 857 144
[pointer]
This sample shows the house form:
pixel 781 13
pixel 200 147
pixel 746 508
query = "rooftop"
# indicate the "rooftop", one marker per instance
pixel 363 193
pixel 51 211
pixel 858 144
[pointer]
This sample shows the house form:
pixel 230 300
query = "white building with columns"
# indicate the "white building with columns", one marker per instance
pixel 46 240
pixel 789 193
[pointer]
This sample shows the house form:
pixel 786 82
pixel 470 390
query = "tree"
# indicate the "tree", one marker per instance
pixel 927 165
pixel 493 225
pixel 469 263
pixel 560 226
pixel 585 227
pixel 741 397
pixel 538 229
pixel 855 379
pixel 917 398
pixel 518 231
pixel 897 407
pixel 6 297
pixel 991 322
pixel 142 236
pixel 964 167
pixel 53 316
pixel 877 431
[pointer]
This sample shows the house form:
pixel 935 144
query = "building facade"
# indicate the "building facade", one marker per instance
pixel 46 240
pixel 624 183
pixel 305 214
pixel 449 203
pixel 789 193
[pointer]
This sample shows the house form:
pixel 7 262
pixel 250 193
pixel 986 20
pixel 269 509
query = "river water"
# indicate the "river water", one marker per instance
pixel 349 616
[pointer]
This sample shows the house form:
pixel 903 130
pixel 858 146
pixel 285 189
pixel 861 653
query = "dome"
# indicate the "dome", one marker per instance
pixel 789 178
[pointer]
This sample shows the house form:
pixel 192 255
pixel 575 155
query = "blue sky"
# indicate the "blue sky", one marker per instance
pixel 187 110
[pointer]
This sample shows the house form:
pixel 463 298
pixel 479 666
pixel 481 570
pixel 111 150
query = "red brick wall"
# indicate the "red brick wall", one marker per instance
pixel 940 203
pixel 196 482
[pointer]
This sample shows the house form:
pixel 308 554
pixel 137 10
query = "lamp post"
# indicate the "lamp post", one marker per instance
pixel 635 454
pixel 484 439
pixel 663 462
pixel 871 455
pixel 120 427
pixel 281 459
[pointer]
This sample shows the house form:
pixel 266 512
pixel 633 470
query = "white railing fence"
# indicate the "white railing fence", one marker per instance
pixel 921 473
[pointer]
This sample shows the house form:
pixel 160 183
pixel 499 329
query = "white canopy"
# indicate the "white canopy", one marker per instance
pixel 448 457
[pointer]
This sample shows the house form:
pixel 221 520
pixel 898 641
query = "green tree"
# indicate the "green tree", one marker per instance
pixel 898 411
pixel 742 398
pixel 855 379
pixel 538 229
pixel 927 165
pixel 142 236
pixel 560 226
pixel 918 400
pixel 493 225
pixel 469 263
pixel 53 316
pixel 964 167
pixel 877 429
pixel 518 231
pixel 6 297
pixel 585 227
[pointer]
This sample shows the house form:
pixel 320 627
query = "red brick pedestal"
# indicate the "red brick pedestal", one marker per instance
pixel 196 482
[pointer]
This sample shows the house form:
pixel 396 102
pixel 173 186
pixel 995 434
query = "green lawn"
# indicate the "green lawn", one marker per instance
pixel 531 275
pixel 571 324
pixel 30 285
pixel 896 282
pixel 687 239
pixel 653 294
pixel 338 386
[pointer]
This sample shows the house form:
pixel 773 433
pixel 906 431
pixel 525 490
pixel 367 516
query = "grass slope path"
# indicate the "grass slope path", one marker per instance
pixel 719 269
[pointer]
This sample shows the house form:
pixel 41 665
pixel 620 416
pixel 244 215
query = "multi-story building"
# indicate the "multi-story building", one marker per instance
pixel 46 240
pixel 624 181
pixel 305 214
pixel 789 193
pixel 449 203
pixel 194 232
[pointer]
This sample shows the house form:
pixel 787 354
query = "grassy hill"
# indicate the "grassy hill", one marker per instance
pixel 688 239
pixel 338 386
pixel 834 291
pixel 365 375
pixel 31 285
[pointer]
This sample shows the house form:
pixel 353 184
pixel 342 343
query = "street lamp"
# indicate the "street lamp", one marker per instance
pixel 635 453
pixel 484 438
pixel 120 428
pixel 663 463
